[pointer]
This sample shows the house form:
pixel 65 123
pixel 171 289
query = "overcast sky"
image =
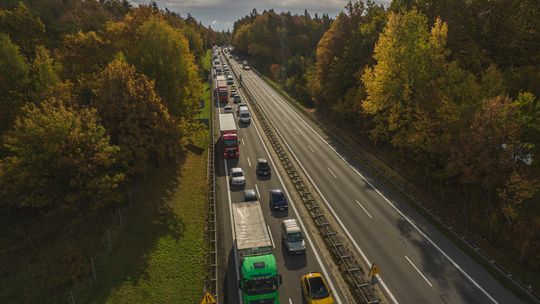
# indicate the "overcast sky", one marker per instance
pixel 221 14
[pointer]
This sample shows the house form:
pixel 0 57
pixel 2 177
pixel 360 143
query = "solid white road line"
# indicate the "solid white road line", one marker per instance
pixel 271 238
pixel 364 209
pixel 243 143
pixel 308 237
pixel 290 301
pixel 332 172
pixel 387 290
pixel 311 148
pixel 249 163
pixel 389 202
pixel 258 194
pixel 419 271
pixel 232 225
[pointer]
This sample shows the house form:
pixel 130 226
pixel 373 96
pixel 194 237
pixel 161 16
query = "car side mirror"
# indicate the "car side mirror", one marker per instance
pixel 280 280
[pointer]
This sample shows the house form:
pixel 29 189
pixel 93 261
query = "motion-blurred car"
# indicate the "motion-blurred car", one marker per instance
pixel 278 201
pixel 315 289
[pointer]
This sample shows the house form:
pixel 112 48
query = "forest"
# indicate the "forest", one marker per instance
pixel 446 91
pixel 93 96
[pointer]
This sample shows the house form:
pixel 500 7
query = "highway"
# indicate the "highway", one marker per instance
pixel 418 263
pixel 292 268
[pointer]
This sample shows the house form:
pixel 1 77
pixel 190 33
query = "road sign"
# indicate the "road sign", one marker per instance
pixel 208 299
pixel 374 270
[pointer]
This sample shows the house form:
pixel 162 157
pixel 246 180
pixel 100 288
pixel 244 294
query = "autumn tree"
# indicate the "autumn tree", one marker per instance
pixel 14 81
pixel 491 158
pixel 44 72
pixel 23 28
pixel 85 53
pixel 162 53
pixel 133 114
pixel 408 88
pixel 59 158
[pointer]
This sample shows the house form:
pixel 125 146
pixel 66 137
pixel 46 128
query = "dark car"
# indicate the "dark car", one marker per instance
pixel 250 195
pixel 263 168
pixel 278 201
pixel 237 98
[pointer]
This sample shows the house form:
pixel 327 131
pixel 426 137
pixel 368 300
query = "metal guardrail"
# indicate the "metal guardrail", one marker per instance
pixel 212 283
pixel 474 248
pixel 351 270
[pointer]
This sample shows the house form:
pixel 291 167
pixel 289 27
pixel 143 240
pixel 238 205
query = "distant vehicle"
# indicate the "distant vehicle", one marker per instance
pixel 263 168
pixel 232 93
pixel 221 89
pixel 237 177
pixel 228 109
pixel 242 104
pixel 229 137
pixel 230 80
pixel 250 195
pixel 237 98
pixel 293 237
pixel 245 65
pixel 315 289
pixel 244 114
pixel 278 201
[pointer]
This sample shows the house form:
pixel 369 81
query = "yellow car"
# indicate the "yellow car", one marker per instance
pixel 315 289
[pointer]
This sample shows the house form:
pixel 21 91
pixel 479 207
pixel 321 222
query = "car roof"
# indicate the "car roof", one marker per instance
pixel 250 195
pixel 276 191
pixel 237 169
pixel 262 160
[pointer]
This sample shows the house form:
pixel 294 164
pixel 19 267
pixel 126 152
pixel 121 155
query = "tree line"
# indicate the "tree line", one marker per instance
pixel 449 87
pixel 92 94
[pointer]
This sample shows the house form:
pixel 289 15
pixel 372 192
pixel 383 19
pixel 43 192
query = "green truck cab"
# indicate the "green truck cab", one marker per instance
pixel 259 280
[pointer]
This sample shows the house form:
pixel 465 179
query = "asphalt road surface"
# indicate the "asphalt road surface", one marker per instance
pixel 292 268
pixel 418 263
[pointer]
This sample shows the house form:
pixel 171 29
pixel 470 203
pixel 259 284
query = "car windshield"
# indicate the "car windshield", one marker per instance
pixel 244 114
pixel 238 174
pixel 230 142
pixel 295 237
pixel 263 165
pixel 277 195
pixel 260 286
pixel 318 289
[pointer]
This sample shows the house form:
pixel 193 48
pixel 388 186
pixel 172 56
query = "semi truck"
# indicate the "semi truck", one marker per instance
pixel 221 89
pixel 229 136
pixel 259 279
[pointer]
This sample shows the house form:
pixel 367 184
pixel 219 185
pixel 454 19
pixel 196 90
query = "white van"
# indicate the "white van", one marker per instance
pixel 243 113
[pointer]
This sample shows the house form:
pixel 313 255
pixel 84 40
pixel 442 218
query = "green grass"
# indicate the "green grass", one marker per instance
pixel 204 113
pixel 162 254
pixel 207 61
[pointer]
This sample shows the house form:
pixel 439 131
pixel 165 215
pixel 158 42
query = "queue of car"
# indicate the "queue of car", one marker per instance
pixel 313 285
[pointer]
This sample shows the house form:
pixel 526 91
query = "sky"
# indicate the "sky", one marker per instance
pixel 221 14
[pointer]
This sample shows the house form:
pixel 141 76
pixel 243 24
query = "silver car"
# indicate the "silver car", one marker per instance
pixel 237 177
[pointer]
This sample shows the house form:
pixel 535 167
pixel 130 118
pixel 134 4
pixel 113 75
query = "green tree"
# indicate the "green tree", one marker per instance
pixel 44 71
pixel 133 114
pixel 59 158
pixel 23 29
pixel 162 53
pixel 406 88
pixel 14 81
pixel 85 53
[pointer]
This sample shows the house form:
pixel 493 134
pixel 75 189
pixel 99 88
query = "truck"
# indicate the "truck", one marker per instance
pixel 245 65
pixel 228 135
pixel 222 93
pixel 259 280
